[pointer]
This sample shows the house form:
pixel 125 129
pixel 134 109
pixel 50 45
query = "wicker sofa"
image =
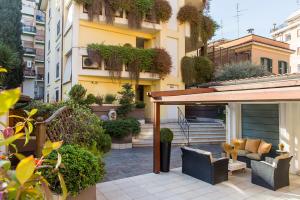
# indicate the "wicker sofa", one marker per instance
pixel 254 149
pixel 200 164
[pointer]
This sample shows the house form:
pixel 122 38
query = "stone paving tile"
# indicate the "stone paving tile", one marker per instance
pixel 177 186
pixel 136 161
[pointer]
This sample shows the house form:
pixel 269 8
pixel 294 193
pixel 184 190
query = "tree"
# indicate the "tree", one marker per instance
pixel 126 100
pixel 10 35
pixel 239 71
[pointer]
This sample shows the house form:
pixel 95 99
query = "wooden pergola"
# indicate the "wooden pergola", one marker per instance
pixel 207 96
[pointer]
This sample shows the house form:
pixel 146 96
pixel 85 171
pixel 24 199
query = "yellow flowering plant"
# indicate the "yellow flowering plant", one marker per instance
pixel 25 182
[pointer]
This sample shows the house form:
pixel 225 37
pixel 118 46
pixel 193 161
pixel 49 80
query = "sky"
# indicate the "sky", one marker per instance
pixel 257 14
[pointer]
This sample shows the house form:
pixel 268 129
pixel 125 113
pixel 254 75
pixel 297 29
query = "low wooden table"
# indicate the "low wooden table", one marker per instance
pixel 236 165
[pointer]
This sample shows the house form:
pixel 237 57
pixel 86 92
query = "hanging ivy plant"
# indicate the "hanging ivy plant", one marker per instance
pixel 163 10
pixel 136 60
pixel 198 69
pixel 136 10
pixel 191 14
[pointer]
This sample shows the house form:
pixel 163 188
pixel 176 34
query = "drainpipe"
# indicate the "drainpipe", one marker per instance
pixel 62 48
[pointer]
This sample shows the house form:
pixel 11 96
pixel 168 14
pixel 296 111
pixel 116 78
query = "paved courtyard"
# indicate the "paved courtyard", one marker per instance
pixel 177 186
pixel 136 161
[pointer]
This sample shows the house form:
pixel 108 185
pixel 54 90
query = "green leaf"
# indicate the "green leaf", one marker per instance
pixel 5 164
pixel 19 126
pixel 19 156
pixel 11 139
pixel 30 127
pixel 25 169
pixel 27 136
pixel 32 112
pixel 8 98
pixel 63 186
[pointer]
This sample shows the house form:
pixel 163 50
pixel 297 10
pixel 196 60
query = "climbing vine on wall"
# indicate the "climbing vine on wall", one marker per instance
pixel 136 60
pixel 136 10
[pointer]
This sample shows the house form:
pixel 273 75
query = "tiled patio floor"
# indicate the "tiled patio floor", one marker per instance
pixel 177 186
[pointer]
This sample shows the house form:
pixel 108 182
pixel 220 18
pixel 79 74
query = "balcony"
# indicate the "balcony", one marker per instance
pixel 40 37
pixel 29 73
pixel 28 9
pixel 121 21
pixel 40 77
pixel 40 18
pixel 92 69
pixel 40 55
pixel 28 51
pixel 30 30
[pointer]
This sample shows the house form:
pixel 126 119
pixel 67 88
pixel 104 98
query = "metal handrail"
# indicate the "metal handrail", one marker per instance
pixel 184 125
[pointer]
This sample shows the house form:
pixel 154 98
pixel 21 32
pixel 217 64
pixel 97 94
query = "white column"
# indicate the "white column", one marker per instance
pixel 233 121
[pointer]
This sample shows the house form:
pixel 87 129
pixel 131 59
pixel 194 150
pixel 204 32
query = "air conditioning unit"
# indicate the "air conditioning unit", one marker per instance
pixel 87 63
pixel 29 64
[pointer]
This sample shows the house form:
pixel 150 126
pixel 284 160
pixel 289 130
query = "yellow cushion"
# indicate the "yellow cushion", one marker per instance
pixel 242 143
pixel 264 147
pixel 252 145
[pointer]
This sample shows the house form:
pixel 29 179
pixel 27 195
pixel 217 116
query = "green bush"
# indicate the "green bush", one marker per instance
pixel 166 135
pixel 140 104
pixel 122 128
pixel 110 98
pixel 45 110
pixel 126 100
pixel 80 169
pixel 99 100
pixel 77 93
pixel 240 71
pixel 90 99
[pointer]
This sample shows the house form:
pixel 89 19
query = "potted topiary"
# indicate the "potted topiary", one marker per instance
pixel 166 137
pixel 81 171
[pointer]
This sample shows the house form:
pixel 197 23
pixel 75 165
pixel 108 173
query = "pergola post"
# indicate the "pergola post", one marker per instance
pixel 156 139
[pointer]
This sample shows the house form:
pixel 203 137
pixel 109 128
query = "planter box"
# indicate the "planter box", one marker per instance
pixel 137 113
pixel 123 143
pixel 89 193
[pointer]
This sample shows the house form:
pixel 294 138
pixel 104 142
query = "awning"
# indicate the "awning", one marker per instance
pixel 212 97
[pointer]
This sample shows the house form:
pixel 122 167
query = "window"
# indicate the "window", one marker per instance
pixel 49 45
pixel 58 28
pixel 50 14
pixel 56 95
pixel 69 19
pixel 267 62
pixel 298 51
pixel 68 70
pixel 298 68
pixel 288 37
pixel 298 33
pixel 47 97
pixel 57 69
pixel 282 67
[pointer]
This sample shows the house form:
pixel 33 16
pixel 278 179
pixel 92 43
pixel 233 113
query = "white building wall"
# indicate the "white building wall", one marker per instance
pixel 28 85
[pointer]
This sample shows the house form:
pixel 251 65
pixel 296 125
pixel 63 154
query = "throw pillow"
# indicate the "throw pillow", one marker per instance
pixel 242 143
pixel 252 145
pixel 264 147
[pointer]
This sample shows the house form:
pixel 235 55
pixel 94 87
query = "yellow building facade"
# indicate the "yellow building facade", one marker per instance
pixel 66 52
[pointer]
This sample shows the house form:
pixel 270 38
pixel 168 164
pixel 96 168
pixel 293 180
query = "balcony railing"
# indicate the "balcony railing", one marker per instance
pixel 40 36
pixel 28 50
pixel 40 77
pixel 40 18
pixel 28 29
pixel 29 72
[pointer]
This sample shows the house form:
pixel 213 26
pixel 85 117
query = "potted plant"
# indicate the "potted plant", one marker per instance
pixel 166 137
pixel 81 171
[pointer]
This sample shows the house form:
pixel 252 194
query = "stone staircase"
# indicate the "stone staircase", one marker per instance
pixel 200 133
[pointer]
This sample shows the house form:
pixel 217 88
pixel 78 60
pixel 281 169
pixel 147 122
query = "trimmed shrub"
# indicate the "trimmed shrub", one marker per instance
pixel 126 100
pixel 90 99
pixel 77 93
pixel 122 128
pixel 99 100
pixel 240 71
pixel 80 169
pixel 166 135
pixel 109 98
pixel 163 10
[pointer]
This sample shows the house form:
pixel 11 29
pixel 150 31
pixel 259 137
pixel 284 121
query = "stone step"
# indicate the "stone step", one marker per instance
pixel 142 136
pixel 179 132
pixel 150 126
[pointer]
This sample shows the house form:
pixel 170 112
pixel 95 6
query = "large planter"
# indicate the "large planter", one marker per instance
pixel 122 143
pixel 89 193
pixel 165 155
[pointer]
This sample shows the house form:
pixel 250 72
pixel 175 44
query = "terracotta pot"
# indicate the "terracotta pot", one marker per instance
pixel 89 193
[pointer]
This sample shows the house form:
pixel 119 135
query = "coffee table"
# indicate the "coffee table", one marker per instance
pixel 236 165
